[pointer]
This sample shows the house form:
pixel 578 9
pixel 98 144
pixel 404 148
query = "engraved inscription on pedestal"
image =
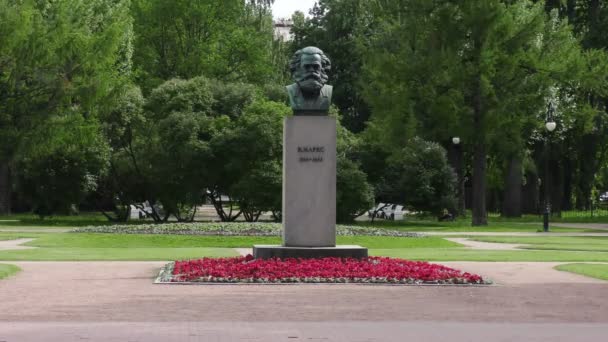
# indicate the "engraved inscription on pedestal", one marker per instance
pixel 311 154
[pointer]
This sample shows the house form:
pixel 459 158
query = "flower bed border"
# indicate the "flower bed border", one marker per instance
pixel 232 229
pixel 165 277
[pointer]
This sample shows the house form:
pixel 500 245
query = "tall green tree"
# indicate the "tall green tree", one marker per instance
pixel 57 58
pixel 476 69
pixel 583 141
pixel 225 39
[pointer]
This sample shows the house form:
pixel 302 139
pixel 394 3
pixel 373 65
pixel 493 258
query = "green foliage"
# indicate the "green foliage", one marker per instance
pixel 60 162
pixel 248 159
pixel 354 194
pixel 60 62
pixel 421 178
pixel 224 39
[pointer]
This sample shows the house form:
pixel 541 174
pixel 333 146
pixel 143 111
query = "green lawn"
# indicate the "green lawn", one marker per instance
pixel 73 246
pixel 89 246
pixel 461 254
pixel 8 270
pixel 20 235
pixel 187 241
pixel 599 271
pixel 58 221
pixel 465 226
pixel 114 254
pixel 562 243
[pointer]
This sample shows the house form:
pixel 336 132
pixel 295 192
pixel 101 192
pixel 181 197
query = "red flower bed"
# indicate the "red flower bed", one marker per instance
pixel 325 270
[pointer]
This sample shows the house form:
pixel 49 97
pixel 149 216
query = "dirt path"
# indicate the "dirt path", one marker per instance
pixel 484 245
pixel 16 244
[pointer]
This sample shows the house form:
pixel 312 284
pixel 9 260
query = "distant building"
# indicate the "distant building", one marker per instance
pixel 282 29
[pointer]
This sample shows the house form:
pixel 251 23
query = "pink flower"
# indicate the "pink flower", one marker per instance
pixel 372 269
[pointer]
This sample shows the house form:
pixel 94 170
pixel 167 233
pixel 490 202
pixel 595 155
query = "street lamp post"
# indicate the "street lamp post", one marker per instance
pixel 550 125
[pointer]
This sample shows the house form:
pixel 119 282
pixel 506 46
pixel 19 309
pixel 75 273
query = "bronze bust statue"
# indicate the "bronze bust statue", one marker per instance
pixel 309 95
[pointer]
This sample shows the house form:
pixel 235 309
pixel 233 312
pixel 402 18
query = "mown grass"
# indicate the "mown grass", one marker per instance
pixel 189 241
pixel 598 271
pixel 562 243
pixel 8 270
pixel 88 247
pixel 465 226
pixel 114 254
pixel 461 254
pixel 58 221
pixel 18 235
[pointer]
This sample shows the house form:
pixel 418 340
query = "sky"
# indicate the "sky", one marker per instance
pixel 285 8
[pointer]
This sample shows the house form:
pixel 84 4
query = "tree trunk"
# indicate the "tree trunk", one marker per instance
pixel 557 193
pixel 513 183
pixel 5 188
pixel 461 191
pixel 455 160
pixel 567 200
pixel 480 216
pixel 531 194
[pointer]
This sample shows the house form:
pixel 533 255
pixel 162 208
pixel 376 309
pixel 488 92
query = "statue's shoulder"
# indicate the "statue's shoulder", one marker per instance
pixel 292 88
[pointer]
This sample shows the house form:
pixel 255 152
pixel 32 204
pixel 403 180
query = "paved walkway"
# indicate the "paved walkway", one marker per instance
pixel 484 245
pixel 281 331
pixel 117 301
pixel 16 244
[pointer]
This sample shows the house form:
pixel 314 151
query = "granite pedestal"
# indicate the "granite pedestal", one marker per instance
pixel 309 192
pixel 341 251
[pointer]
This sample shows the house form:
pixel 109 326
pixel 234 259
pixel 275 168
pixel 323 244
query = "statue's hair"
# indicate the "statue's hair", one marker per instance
pixel 311 50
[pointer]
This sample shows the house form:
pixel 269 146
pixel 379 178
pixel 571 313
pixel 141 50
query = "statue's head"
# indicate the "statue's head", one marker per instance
pixel 309 67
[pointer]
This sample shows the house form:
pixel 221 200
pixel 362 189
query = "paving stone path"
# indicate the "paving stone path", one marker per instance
pixel 117 301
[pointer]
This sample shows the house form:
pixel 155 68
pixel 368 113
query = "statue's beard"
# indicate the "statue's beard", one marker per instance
pixel 311 84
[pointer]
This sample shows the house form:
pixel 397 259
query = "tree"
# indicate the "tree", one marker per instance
pixel 175 152
pixel 248 159
pixel 56 57
pixel 225 39
pixel 583 142
pixel 470 67
pixel 60 162
pixel 420 177
pixel 354 195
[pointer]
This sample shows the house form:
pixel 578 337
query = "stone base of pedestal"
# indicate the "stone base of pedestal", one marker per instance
pixel 340 251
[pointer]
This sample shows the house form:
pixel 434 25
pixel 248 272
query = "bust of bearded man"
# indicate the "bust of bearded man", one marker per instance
pixel 309 95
